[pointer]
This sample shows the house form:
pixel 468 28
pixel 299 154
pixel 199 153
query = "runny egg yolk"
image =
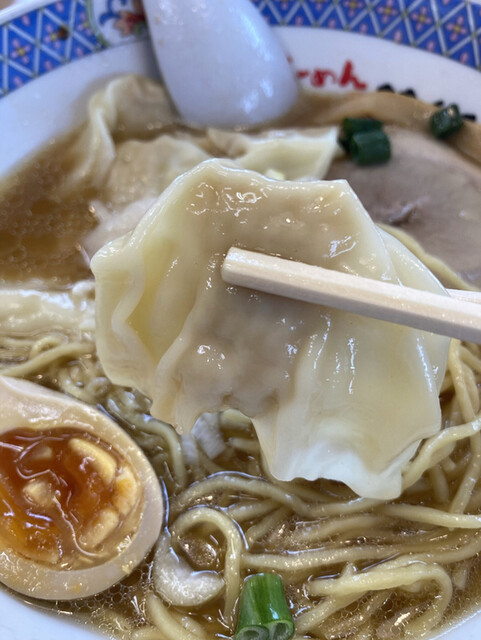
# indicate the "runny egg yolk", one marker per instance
pixel 66 496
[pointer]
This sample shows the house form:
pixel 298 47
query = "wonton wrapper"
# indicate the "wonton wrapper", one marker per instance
pixel 143 169
pixel 139 173
pixel 28 311
pixel 293 154
pixel 331 394
pixel 129 105
pixel 113 153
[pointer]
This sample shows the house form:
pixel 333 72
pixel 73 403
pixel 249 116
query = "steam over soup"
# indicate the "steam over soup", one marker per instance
pixel 338 452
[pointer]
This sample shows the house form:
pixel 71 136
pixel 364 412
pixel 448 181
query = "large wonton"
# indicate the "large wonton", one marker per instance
pixel 116 154
pixel 291 154
pixel 128 106
pixel 331 394
pixel 27 311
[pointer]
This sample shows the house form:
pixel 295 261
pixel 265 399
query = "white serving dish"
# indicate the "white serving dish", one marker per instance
pixel 54 55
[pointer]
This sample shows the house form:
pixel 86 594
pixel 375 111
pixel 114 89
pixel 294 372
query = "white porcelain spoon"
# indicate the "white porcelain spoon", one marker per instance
pixel 221 62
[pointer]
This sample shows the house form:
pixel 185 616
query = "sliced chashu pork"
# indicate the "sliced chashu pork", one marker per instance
pixel 428 189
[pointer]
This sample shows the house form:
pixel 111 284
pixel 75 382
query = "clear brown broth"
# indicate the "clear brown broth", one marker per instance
pixel 39 234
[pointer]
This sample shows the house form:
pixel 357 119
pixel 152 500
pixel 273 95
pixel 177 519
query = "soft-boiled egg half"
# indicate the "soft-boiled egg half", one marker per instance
pixel 80 505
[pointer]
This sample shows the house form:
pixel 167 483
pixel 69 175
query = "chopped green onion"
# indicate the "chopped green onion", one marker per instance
pixel 446 121
pixel 365 141
pixel 350 126
pixel 263 610
pixel 370 147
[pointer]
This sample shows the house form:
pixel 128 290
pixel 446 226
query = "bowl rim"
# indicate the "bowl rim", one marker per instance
pixel 450 29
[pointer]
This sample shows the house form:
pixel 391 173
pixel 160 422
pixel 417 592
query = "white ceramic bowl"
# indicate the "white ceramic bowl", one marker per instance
pixel 54 55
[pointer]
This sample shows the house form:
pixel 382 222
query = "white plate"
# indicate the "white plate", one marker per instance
pixel 54 55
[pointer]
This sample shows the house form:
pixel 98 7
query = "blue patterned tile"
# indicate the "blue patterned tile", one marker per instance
pixel 27 23
pixel 445 7
pixel 353 9
pixel 388 13
pixel 47 62
pixel 300 17
pixel 284 7
pixel 476 15
pixel 411 4
pixel 45 38
pixel 80 49
pixel 465 54
pixel 331 20
pixel 16 78
pixel 269 14
pixel 456 27
pixel 422 19
pixel 366 26
pixel 398 33
pixel 81 24
pixel 42 40
pixel 433 44
pixel 61 10
pixel 20 50
pixel 318 8
pixel 54 36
